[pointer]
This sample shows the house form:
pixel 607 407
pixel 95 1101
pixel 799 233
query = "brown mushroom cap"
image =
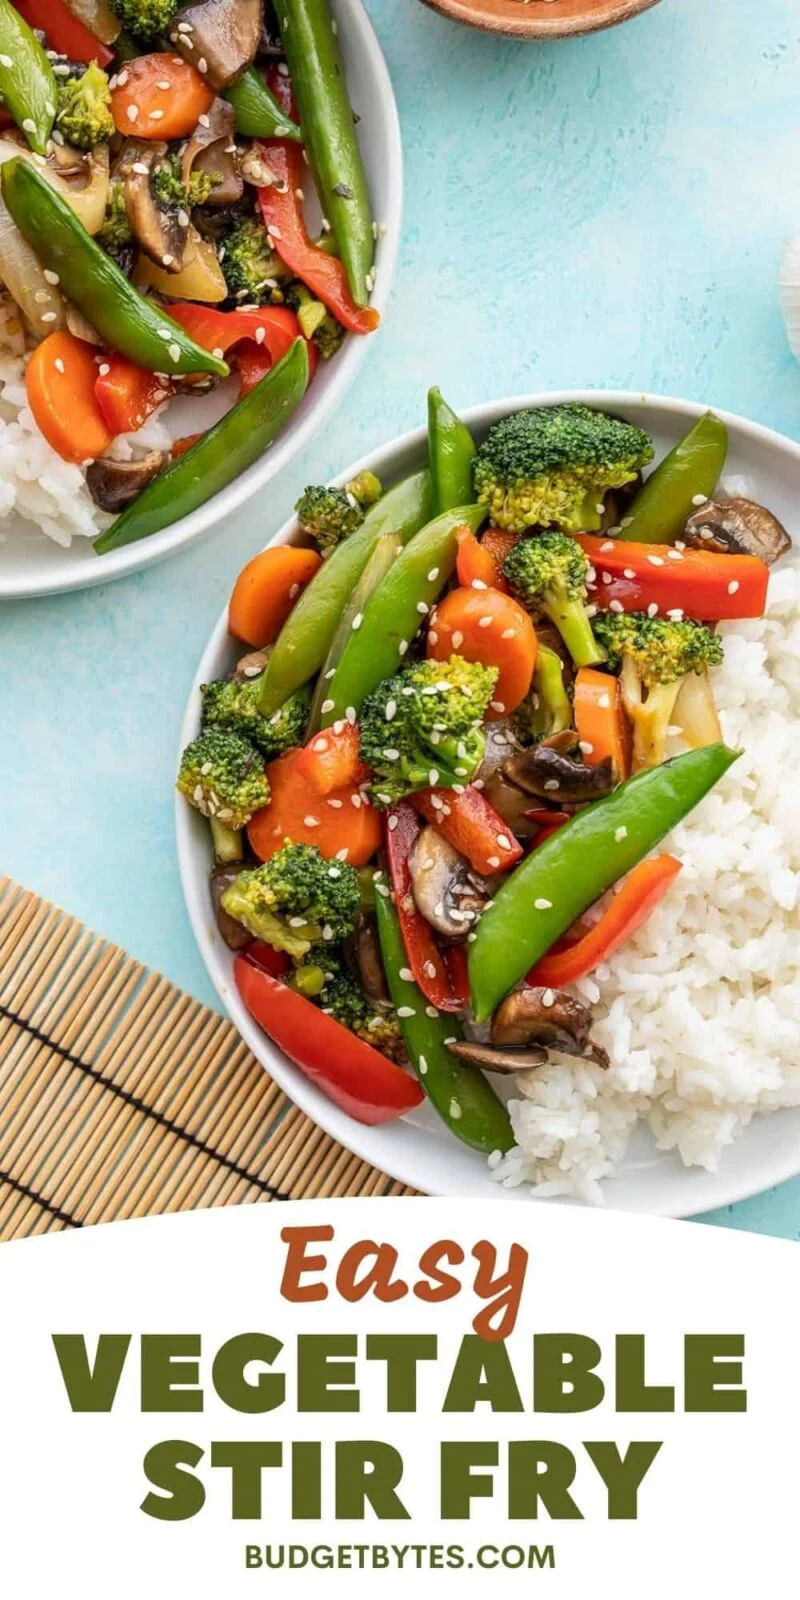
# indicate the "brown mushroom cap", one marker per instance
pixel 737 527
pixel 512 804
pixel 113 484
pixel 219 37
pixel 447 893
pixel 364 952
pixel 162 231
pixel 549 773
pixel 213 149
pixel 493 1059
pixel 234 934
pixel 550 1018
pixel 251 665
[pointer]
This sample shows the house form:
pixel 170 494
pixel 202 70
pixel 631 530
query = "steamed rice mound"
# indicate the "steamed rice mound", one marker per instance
pixel 700 1010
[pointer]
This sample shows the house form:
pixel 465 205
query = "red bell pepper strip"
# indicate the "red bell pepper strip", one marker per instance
pixel 470 825
pixel 265 956
pixel 282 210
pixel 179 447
pixel 638 894
pixel 64 31
pixel 425 959
pixel 128 394
pixel 702 585
pixel 358 1079
pixel 455 960
pixel 275 328
pixel 547 822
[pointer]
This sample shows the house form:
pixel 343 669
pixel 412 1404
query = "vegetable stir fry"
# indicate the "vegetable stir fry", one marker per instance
pixel 155 160
pixel 472 707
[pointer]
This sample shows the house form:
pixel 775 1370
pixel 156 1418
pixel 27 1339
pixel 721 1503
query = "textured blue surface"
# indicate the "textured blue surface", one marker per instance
pixel 606 211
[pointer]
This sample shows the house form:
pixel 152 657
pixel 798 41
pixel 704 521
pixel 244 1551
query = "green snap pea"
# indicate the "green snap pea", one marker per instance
pixel 386 549
pixel 329 133
pixel 302 646
pixel 257 112
pixel 233 444
pixel 395 613
pixel 451 449
pixel 572 869
pixel 27 81
pixel 93 282
pixel 659 513
pixel 457 1090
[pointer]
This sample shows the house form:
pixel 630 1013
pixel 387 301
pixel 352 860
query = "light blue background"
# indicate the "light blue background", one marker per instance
pixel 606 211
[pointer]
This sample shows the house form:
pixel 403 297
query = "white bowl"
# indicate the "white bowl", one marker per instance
pixel 31 564
pixel 418 1150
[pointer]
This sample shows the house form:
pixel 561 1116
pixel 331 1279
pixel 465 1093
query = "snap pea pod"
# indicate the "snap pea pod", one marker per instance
pixel 456 1090
pixel 394 614
pixel 93 282
pixel 329 134
pixel 233 444
pixel 258 114
pixel 659 513
pixel 386 548
pixel 451 448
pixel 306 637
pixel 573 868
pixel 27 81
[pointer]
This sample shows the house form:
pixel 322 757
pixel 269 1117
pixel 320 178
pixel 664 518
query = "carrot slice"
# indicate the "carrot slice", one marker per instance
pixel 60 384
pixel 341 824
pixel 159 97
pixel 332 760
pixel 475 565
pixel 507 641
pixel 603 728
pixel 265 591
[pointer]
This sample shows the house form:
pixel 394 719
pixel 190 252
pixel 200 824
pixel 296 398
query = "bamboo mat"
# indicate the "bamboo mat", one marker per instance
pixel 120 1096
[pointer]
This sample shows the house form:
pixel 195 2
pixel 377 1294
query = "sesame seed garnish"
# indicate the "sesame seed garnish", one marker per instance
pixel 402 647
pixel 391 710
pixel 334 872
pixel 699 499
pixel 59 364
pixel 51 277
pixel 391 754
pixel 140 167
pixel 507 633
pixel 350 714
pixel 202 66
pixel 311 822
pixel 155 116
pixel 543 905
pixel 29 125
pixel 498 706
pixel 320 744
pixel 163 83
pixel 676 614
pixel 604 701
pixel 551 783
pixel 429 969
pixel 164 333
pixel 406 1011
pixel 355 800
pixel 6 61
pixel 341 855
pixel 607 545
pixel 457 640
pixel 433 636
pixel 585 747
pixel 733 586
pixel 406 974
pixel 652 609
pixel 167 260
pixel 620 834
pixel 327 931
pixel 298 922
pixel 606 577
pixel 335 805
pixel 357 621
pixel 327 705
pixel 478 583
pixel 504 841
pixel 433 777
pixel 679 545
pixel 656 561
pixel 485 622
pixel 615 605
pixel 455 1110
pixel 422 608
pixel 675 555
pixel 433 574
pixel 392 823
pixel 492 861
pixel 628 572
pixel 174 350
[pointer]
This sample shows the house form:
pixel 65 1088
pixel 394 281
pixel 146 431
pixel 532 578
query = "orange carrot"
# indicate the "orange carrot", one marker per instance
pixel 144 108
pixel 265 591
pixel 60 381
pixel 332 760
pixel 475 564
pixel 507 641
pixel 498 543
pixel 341 824
pixel 603 728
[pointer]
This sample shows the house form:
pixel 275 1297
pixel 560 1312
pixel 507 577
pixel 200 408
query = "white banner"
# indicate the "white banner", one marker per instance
pixel 243 1423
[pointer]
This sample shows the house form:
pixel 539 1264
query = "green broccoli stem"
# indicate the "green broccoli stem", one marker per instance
pixel 227 842
pixel 551 710
pixel 585 518
pixel 570 617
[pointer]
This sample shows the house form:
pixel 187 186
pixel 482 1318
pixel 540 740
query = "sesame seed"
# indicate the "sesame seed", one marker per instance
pixel 334 872
pixel 51 277
pixel 59 364
pixel 433 636
pixel 341 855
pixel 679 545
pixel 433 574
pixel 485 622
pixel 320 744
pixel 620 834
pixel 628 572
pixel 391 710
pixel 438 910
pixel 335 805
pixel 733 586
pixel 585 747
pixel 429 969
pixel 174 350
pixel 311 822
pixel 606 577
pixel 457 640
pixel 433 778
pixel 507 633
pixel 391 755
pixel 504 841
pixel 422 608
pixel 6 61
pixel 406 1011
pixel 298 922
pixel 155 116
pixel 141 167
pixel 604 701
pixel 699 499
pixel 656 561
pixel 29 125
pixel 543 905
pixel 676 614
pixel 202 66
pixel 548 998
pixel 52 316
pixel 357 621
pixel 652 609
pixel 675 555
pixel 392 823
pixel 402 647
pixel 166 261
pixel 406 974
pixel 163 83
pixel 164 333
pixel 327 931
pixel 608 544
pixel 355 800
pixel 551 783
pixel 492 861
pixel 616 605
pixel 350 714
pixel 327 705
pixel 455 1110
pixel 478 583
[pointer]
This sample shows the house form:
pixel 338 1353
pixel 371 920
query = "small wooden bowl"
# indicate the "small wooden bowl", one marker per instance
pixel 538 19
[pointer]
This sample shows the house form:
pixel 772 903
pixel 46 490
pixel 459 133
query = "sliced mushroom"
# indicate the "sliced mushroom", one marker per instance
pixel 511 804
pixel 447 893
pixel 251 665
pixel 219 37
pixel 161 230
pixel 493 1059
pixel 213 149
pixel 364 951
pixel 256 170
pixel 551 774
pixel 234 933
pixel 738 527
pixel 81 327
pixel 113 484
pixel 549 1018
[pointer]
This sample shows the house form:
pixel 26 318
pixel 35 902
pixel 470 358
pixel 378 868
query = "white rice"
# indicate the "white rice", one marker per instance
pixel 38 490
pixel 700 1010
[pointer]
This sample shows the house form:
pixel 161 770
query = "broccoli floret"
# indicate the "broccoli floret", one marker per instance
pixel 548 708
pixel 330 982
pixel 147 20
pixel 84 115
pixel 331 515
pixel 170 189
pixel 296 900
pixel 252 270
pixel 548 573
pixel 222 775
pixel 653 655
pixel 422 728
pixel 232 703
pixel 115 233
pixel 316 321
pixel 553 465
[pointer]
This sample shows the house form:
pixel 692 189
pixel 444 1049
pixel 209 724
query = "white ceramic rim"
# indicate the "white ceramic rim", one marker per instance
pixel 705 1191
pixel 388 206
